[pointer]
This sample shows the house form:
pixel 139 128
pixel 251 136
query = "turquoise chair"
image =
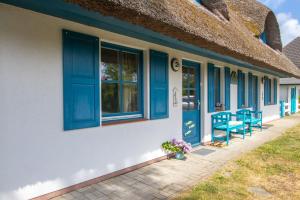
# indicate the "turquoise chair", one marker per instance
pixel 253 119
pixel 223 121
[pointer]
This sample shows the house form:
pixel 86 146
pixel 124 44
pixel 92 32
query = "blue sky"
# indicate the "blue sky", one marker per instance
pixel 288 15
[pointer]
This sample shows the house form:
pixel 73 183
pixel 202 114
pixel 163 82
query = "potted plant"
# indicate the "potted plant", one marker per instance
pixel 178 147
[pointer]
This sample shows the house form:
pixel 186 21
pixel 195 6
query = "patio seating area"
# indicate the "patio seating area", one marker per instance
pixel 240 123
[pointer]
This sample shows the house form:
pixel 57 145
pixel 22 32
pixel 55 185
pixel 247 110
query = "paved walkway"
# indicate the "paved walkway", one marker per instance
pixel 165 179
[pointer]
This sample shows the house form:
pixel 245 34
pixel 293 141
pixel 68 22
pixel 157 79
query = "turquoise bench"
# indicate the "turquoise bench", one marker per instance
pixel 223 121
pixel 253 119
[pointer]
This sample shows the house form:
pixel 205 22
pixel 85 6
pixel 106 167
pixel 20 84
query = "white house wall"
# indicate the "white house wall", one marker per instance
pixel 37 156
pixel 270 112
pixel 285 95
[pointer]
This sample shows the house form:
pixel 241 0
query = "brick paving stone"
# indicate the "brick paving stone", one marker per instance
pixel 99 194
pixel 68 196
pixel 76 194
pixel 58 198
pixel 165 179
pixel 103 198
pixel 160 196
pixel 90 196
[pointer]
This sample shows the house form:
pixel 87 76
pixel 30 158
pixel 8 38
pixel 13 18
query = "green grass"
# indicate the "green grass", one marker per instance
pixel 275 167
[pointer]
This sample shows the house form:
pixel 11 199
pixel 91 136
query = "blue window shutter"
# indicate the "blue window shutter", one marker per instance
pixel 268 92
pixel 159 85
pixel 227 87
pixel 81 80
pixel 250 90
pixel 244 89
pixel 211 87
pixel 267 88
pixel 240 88
pixel 265 91
pixel 275 91
pixel 217 85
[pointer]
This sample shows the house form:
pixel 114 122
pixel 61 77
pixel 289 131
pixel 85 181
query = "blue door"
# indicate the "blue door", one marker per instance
pixel 293 100
pixel 191 102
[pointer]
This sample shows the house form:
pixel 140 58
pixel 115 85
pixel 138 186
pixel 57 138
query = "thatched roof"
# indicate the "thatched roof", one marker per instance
pixel 227 27
pixel 292 51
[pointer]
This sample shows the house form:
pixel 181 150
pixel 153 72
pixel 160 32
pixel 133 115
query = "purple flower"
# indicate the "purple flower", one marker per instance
pixel 182 145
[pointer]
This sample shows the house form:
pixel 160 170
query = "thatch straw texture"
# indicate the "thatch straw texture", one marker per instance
pixel 234 34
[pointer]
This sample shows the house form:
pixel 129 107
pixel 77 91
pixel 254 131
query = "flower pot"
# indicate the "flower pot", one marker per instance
pixel 179 156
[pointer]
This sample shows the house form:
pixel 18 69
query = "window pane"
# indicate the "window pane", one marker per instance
pixel 110 98
pixel 109 64
pixel 185 100
pixel 192 81
pixel 192 100
pixel 185 77
pixel 130 66
pixel 130 98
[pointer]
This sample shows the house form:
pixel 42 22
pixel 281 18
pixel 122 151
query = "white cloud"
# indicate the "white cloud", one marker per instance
pixel 289 26
pixel 274 4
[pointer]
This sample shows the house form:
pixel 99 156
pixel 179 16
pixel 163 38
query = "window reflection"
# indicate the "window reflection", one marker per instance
pixel 109 64
pixel 120 77
pixel 110 98
pixel 189 98
pixel 130 98
pixel 130 66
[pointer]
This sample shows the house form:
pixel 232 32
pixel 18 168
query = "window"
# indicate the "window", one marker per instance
pixel 270 91
pixel 121 82
pixel 263 37
pixel 241 90
pixel 267 91
pixel 218 78
pixel 252 91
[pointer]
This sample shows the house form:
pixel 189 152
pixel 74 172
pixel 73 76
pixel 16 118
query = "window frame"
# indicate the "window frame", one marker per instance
pixel 120 116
